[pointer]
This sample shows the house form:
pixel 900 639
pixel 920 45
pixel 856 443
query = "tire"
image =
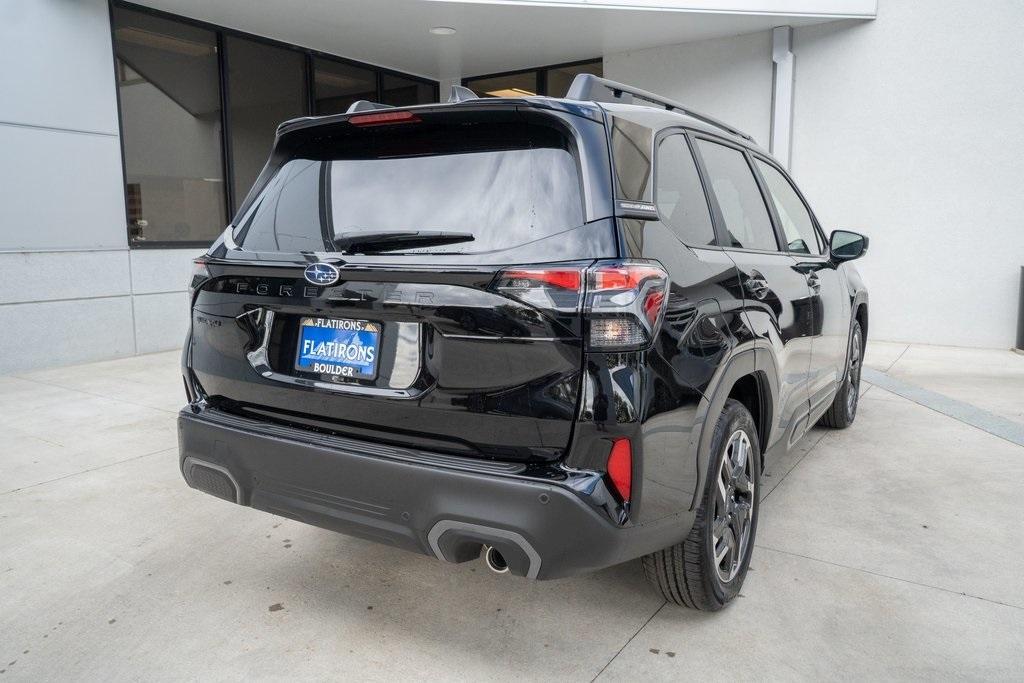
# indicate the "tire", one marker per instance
pixel 843 410
pixel 687 572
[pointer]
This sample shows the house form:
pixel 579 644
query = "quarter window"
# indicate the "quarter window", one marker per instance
pixel 743 209
pixel 793 214
pixel 679 193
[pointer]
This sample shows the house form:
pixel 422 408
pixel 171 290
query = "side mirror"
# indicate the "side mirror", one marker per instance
pixel 844 245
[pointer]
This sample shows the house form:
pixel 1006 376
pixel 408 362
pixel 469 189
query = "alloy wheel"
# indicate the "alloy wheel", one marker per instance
pixel 734 506
pixel 853 376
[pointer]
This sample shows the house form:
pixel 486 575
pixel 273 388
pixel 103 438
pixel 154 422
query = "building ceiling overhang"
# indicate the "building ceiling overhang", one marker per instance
pixel 502 35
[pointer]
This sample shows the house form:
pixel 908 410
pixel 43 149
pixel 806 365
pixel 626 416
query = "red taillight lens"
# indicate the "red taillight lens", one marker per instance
pixel 200 274
pixel 624 276
pixel 622 301
pixel 569 278
pixel 620 468
pixel 652 305
pixel 384 118
pixel 625 303
pixel 555 288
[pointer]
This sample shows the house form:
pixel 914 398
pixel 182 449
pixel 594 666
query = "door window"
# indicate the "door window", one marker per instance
pixel 679 194
pixel 743 209
pixel 797 224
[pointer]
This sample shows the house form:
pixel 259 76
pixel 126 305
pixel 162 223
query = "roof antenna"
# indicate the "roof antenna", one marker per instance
pixel 461 94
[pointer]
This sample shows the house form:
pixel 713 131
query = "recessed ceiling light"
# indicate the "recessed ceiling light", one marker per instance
pixel 443 31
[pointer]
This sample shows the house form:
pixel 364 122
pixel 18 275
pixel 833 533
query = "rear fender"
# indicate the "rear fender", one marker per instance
pixel 751 361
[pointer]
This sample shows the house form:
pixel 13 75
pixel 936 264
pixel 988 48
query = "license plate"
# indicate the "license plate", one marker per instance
pixel 337 348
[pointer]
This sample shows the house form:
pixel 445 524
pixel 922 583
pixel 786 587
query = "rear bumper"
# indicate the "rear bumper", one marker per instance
pixel 429 503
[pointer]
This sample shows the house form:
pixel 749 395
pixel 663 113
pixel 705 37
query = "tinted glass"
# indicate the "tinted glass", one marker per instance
pixel 631 143
pixel 679 193
pixel 560 78
pixel 267 85
pixel 338 85
pixel 402 92
pixel 507 184
pixel 743 209
pixel 793 214
pixel 171 128
pixel 515 85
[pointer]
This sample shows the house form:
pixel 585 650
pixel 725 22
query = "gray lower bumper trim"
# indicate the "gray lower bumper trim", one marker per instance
pixel 434 536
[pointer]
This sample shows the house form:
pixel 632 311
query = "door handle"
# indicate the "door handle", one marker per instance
pixel 814 283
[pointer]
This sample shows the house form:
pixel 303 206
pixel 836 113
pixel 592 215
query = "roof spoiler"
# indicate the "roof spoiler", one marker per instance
pixel 591 88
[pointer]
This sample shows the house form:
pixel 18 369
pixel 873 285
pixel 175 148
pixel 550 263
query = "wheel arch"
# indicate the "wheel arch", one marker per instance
pixel 745 377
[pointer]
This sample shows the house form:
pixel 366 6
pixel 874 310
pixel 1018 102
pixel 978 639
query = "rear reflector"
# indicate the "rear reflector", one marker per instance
pixel 620 468
pixel 384 118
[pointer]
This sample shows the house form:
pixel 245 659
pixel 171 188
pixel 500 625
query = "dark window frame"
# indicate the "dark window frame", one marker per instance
pixel 540 73
pixel 221 32
pixel 818 231
pixel 719 218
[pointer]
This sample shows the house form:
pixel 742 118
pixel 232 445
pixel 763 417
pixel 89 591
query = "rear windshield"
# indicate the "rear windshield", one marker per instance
pixel 507 184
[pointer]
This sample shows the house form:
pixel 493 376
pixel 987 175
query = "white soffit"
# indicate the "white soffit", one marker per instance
pixel 498 35
pixel 835 9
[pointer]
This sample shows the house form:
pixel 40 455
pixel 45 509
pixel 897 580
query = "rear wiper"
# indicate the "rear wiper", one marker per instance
pixel 365 242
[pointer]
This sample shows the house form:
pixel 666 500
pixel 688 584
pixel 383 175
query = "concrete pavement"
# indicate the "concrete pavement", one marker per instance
pixel 889 550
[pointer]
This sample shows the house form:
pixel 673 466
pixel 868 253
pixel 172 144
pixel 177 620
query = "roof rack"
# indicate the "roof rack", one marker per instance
pixel 591 88
pixel 366 105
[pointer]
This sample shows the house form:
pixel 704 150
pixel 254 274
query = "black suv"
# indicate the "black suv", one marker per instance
pixel 561 333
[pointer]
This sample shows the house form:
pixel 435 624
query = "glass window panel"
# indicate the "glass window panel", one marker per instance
pixel 338 85
pixel 514 85
pixel 506 184
pixel 739 198
pixel 402 92
pixel 266 85
pixel 560 78
pixel 171 128
pixel 796 220
pixel 680 195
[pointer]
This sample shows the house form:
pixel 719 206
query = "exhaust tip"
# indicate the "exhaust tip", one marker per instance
pixel 495 560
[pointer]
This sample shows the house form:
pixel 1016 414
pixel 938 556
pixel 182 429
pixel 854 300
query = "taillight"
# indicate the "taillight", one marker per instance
pixel 200 274
pixel 624 304
pixel 622 301
pixel 555 288
pixel 620 468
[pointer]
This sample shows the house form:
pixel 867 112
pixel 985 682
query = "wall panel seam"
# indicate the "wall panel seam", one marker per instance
pixel 58 129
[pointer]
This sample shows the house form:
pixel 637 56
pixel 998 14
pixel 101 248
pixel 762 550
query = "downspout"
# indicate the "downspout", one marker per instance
pixel 781 145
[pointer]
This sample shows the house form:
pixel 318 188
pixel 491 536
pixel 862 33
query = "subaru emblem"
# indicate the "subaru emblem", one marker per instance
pixel 323 274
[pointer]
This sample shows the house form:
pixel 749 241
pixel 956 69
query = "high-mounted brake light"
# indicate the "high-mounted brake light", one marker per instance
pixel 620 468
pixel 384 118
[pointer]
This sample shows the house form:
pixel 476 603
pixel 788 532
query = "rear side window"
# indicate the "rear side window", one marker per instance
pixel 793 214
pixel 505 183
pixel 679 194
pixel 743 209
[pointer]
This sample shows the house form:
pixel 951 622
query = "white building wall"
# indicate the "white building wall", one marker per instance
pixel 70 290
pixel 906 128
pixel 729 78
